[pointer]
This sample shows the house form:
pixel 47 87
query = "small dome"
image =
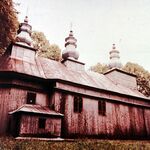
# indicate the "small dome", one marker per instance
pixel 70 54
pixel 70 51
pixel 114 58
pixel 24 33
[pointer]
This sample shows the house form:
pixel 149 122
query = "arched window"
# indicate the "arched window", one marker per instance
pixel 78 104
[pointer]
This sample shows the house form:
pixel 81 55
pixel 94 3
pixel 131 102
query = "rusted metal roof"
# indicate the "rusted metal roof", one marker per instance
pixel 50 69
pixel 37 109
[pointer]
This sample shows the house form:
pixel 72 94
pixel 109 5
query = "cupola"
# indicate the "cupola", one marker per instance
pixel 70 55
pixel 24 33
pixel 114 58
pixel 70 45
pixel 22 49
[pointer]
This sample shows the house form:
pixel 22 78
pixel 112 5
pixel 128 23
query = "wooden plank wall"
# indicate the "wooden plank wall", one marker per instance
pixel 123 79
pixel 146 115
pixel 107 95
pixel 29 126
pixel 11 99
pixel 121 121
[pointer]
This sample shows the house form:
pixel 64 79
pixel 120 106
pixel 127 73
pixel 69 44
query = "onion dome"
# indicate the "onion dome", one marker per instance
pixel 24 33
pixel 114 58
pixel 70 51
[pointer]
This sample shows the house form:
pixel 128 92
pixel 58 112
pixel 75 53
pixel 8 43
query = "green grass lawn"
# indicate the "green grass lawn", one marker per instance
pixel 86 144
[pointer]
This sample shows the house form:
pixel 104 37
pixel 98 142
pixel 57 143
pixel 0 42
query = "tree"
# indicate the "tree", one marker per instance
pixel 8 24
pixel 45 49
pixel 100 68
pixel 143 76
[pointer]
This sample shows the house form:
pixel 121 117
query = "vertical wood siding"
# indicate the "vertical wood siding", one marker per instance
pixel 29 126
pixel 11 99
pixel 41 99
pixel 121 121
pixel 146 115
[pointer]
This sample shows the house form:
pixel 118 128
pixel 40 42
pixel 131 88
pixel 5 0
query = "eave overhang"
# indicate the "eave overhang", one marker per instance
pixel 52 84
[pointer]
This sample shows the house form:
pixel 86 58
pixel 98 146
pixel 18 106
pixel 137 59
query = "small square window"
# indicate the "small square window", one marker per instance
pixel 78 104
pixel 31 97
pixel 42 123
pixel 102 107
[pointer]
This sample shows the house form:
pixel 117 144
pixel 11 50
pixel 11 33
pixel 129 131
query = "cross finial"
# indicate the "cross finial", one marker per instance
pixel 71 26
pixel 114 46
pixel 26 17
pixel 27 11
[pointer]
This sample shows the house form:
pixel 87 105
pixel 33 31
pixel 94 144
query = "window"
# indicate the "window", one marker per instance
pixel 42 123
pixel 31 97
pixel 62 103
pixel 102 107
pixel 78 103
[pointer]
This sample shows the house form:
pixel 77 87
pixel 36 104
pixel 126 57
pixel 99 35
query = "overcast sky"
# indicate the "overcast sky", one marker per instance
pixel 97 24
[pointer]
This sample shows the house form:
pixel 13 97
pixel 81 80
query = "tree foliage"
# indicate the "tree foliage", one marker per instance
pixel 100 68
pixel 8 24
pixel 143 76
pixel 45 49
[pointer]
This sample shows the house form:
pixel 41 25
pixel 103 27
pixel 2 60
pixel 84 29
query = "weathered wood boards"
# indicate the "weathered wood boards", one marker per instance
pixel 11 99
pixel 121 120
pixel 126 111
pixel 29 126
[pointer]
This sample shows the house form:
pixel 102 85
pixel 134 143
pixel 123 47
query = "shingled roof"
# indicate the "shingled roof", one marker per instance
pixel 50 69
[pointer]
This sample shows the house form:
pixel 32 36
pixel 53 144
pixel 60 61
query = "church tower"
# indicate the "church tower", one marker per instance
pixel 70 45
pixel 114 58
pixel 23 49
pixel 70 55
pixel 24 33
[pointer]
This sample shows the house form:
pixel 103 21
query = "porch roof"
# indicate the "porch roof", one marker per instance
pixel 37 109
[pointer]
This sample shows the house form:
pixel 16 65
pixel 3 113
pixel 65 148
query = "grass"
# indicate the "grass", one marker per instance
pixel 7 143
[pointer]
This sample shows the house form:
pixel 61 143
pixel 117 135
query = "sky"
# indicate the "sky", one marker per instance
pixel 97 24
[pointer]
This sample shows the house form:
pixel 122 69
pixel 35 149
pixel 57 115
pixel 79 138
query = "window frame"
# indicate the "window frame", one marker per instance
pixel 102 107
pixel 78 104
pixel 31 98
pixel 41 123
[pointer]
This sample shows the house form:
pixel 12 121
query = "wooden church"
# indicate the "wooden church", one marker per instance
pixel 40 97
